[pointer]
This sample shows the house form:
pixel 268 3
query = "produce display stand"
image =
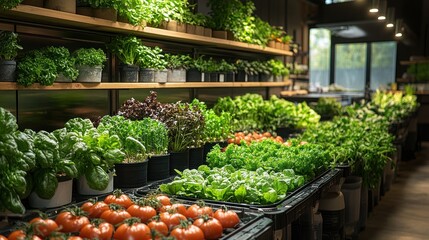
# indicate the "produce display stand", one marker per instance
pixel 282 213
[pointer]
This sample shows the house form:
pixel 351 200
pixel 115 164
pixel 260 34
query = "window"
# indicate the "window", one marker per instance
pixel 350 66
pixel 320 51
pixel 383 64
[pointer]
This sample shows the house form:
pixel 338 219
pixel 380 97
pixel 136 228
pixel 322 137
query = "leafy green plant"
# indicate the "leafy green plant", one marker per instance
pixel 17 159
pixel 226 67
pixel 277 68
pixel 197 19
pixel 65 64
pixel 9 45
pixel 164 11
pixel 53 159
pixel 245 66
pixel 89 57
pixel 178 61
pixel 36 67
pixel 126 49
pixel 95 153
pixel 101 3
pixel 151 58
pixel 9 4
pixel 328 107
pixel 232 185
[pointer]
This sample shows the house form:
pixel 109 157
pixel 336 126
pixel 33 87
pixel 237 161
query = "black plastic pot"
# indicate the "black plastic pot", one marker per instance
pixel 240 76
pixel 196 157
pixel 263 77
pixel 158 167
pixel 129 73
pixel 130 175
pixel 253 77
pixel 7 71
pixel 229 77
pixel 147 75
pixel 179 161
pixel 193 75
pixel 214 77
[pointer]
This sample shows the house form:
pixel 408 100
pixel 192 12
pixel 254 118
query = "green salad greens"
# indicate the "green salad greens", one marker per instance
pixel 232 185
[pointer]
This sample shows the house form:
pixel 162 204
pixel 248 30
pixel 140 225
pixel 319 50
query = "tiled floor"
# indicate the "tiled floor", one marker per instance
pixel 403 213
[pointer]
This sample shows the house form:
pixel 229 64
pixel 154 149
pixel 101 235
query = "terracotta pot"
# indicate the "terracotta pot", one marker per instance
pixel 190 28
pixel 170 25
pixel 86 11
pixel 36 3
pixel 181 27
pixel 61 5
pixel 105 13
pixel 286 47
pixel 200 31
pixel 208 32
pixel 220 34
pixel 279 45
pixel 272 44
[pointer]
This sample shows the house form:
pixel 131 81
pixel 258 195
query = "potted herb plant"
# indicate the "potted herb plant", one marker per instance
pixel 152 65
pixel 177 66
pixel 197 70
pixel 8 53
pixel 227 71
pixel 95 154
pixel 35 67
pixel 65 64
pixel 246 71
pixel 133 11
pixel 127 50
pixel 53 173
pixel 89 62
pixel 264 71
pixel 132 171
pixel 61 5
pixel 278 70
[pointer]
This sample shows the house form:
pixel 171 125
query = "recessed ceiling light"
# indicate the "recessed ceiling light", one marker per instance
pixel 381 18
pixel 398 35
pixel 390 25
pixel 373 10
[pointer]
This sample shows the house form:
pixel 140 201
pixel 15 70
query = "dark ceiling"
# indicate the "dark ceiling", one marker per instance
pixel 355 15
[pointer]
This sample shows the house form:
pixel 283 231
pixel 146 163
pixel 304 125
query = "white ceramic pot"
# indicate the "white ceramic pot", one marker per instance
pixel 62 196
pixel 84 189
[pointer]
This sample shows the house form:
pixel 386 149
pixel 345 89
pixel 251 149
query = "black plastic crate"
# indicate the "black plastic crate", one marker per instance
pixel 259 230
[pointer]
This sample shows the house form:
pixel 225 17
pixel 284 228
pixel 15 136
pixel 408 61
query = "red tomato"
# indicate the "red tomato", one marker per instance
pixel 178 207
pixel 97 230
pixel 195 211
pixel 119 198
pixel 143 212
pixel 211 227
pixel 132 229
pixel 74 238
pixel 97 209
pixel 86 206
pixel 159 227
pixel 62 236
pixel 115 216
pixel 227 218
pixel 187 232
pixel 71 221
pixel 20 235
pixel 43 227
pixel 3 237
pixel 164 200
pixel 171 219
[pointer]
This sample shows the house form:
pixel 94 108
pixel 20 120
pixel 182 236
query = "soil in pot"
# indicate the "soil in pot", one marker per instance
pixel 158 167
pixel 129 73
pixel 179 161
pixel 105 13
pixel 193 75
pixel 147 75
pixel 62 196
pixel 161 76
pixel 196 157
pixel 130 175
pixel 8 71
pixel 89 73
pixel 61 5
pixel 176 75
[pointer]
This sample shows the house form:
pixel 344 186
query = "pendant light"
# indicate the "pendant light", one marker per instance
pixel 398 28
pixel 382 10
pixel 374 6
pixel 390 18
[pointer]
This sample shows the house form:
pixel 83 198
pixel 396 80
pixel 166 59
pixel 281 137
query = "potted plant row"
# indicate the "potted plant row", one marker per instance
pixel 8 53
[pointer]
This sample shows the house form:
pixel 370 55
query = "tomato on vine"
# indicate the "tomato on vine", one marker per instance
pixel 97 229
pixel 132 228
pixel 71 220
pixel 119 198
pixel 115 214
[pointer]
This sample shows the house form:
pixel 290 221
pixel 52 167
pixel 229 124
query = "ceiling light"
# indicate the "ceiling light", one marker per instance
pixel 374 6
pixel 398 28
pixel 382 10
pixel 390 17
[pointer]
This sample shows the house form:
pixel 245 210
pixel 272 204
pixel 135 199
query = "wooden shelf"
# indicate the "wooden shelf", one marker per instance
pixel 299 77
pixel 414 62
pixel 402 80
pixel 117 85
pixel 64 19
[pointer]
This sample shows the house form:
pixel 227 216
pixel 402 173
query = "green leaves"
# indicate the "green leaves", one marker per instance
pixel 151 57
pixel 89 57
pixel 229 184
pixel 126 49
pixel 9 43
